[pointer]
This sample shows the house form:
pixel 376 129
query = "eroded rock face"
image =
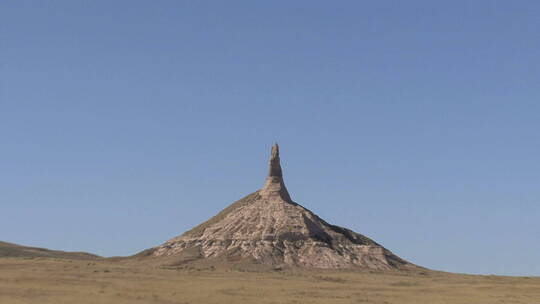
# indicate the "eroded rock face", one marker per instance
pixel 274 187
pixel 268 227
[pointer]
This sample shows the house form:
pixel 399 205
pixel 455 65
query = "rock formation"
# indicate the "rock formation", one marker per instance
pixel 267 227
pixel 274 187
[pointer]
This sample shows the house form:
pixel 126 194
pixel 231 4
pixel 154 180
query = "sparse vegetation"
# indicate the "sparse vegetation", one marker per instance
pixel 52 281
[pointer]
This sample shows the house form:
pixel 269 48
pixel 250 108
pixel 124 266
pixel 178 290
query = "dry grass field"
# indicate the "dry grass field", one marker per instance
pixel 56 281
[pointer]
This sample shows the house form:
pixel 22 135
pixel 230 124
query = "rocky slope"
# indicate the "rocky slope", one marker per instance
pixel 267 227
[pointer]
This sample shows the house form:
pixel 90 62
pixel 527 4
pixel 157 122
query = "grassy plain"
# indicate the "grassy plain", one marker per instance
pixel 56 281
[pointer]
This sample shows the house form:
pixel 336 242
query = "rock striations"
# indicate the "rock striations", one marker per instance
pixel 267 227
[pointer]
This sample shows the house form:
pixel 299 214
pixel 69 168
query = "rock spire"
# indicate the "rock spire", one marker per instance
pixel 274 186
pixel 267 228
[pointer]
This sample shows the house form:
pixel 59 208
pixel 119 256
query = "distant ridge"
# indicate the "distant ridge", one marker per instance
pixel 268 228
pixel 14 250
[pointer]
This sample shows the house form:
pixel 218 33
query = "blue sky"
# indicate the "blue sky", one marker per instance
pixel 416 123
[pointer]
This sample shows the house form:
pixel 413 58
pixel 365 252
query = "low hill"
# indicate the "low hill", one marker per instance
pixel 14 250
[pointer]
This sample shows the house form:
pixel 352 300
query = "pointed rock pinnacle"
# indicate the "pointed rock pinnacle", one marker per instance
pixel 275 166
pixel 267 228
pixel 274 186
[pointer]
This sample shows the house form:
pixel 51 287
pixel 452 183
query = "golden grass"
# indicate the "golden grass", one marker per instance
pixel 56 281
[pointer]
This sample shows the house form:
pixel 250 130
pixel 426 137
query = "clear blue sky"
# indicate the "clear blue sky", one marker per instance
pixel 416 123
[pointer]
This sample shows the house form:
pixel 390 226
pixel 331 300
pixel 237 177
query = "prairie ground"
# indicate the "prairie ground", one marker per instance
pixel 57 281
